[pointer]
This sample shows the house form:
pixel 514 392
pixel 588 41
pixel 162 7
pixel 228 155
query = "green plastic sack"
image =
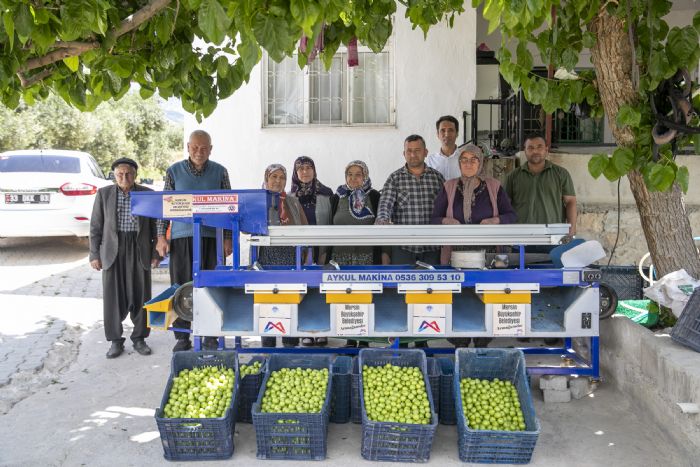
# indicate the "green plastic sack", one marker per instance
pixel 644 312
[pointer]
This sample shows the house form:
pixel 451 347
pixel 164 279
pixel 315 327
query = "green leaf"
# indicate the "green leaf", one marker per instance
pixel 250 53
pixel 660 177
pixel 683 178
pixel 9 27
pixel 628 116
pixel 623 160
pixel 41 15
pixel 272 33
pixel 611 173
pixel 681 44
pixel 597 165
pixel 145 93
pixel 73 63
pixel 524 57
pixel 213 21
pixel 589 40
pixel 305 13
pixel 23 21
pixel 569 58
pixel 696 22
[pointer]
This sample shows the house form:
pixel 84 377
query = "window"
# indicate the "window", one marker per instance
pixel 360 95
pixel 40 163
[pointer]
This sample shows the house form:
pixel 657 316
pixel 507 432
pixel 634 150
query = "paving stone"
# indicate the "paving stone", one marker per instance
pixel 553 396
pixel 555 382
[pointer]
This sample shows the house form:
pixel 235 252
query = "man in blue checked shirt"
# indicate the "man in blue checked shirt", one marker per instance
pixel 407 198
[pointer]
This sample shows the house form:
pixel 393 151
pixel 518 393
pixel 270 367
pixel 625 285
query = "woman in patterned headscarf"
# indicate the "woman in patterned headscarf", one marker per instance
pixel 355 203
pixel 287 212
pixel 314 197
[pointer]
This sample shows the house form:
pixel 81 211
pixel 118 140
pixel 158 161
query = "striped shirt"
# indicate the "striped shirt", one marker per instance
pixel 162 224
pixel 125 221
pixel 408 200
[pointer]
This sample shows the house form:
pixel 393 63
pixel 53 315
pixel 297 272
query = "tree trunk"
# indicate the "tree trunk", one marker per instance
pixel 663 215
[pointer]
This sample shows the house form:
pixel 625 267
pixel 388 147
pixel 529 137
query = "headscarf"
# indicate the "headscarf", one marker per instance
pixel 307 192
pixel 284 219
pixel 358 197
pixel 470 184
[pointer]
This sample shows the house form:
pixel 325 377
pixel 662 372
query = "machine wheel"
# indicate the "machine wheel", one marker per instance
pixel 608 301
pixel 182 301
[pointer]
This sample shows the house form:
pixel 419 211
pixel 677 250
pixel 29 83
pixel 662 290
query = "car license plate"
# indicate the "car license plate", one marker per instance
pixel 27 198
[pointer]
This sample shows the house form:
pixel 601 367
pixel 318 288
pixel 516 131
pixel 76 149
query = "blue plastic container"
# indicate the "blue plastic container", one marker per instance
pixel 355 406
pixel 249 389
pixel 340 396
pixel 293 436
pixel 447 391
pixel 495 446
pixel 434 380
pixel 187 439
pixel 686 331
pixel 389 441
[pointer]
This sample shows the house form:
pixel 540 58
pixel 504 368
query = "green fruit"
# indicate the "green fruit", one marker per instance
pixel 203 392
pixel 251 369
pixel 295 390
pixel 395 394
pixel 491 405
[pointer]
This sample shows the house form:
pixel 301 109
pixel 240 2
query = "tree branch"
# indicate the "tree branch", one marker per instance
pixel 26 82
pixel 72 48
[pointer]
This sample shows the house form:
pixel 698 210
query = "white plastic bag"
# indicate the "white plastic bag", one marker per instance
pixel 673 290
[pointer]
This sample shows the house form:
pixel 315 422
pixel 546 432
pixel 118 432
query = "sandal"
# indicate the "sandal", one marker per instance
pixel 307 342
pixel 321 341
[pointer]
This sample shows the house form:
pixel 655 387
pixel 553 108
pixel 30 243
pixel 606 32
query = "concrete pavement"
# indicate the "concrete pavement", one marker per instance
pixel 78 408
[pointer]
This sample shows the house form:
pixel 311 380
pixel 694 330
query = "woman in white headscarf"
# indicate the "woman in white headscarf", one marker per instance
pixel 471 198
pixel 288 211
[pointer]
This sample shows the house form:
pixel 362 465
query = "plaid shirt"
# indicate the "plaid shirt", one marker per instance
pixel 408 200
pixel 125 221
pixel 162 224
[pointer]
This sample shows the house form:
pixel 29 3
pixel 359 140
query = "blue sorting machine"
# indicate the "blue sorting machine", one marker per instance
pixel 514 300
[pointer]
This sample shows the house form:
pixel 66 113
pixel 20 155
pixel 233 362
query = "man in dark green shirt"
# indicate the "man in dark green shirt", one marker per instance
pixel 542 192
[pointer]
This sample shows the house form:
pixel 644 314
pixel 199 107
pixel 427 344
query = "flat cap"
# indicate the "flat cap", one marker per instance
pixel 125 160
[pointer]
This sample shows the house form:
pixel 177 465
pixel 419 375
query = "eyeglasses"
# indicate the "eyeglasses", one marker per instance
pixel 469 160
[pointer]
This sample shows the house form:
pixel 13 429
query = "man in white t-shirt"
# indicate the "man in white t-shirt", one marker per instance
pixel 446 160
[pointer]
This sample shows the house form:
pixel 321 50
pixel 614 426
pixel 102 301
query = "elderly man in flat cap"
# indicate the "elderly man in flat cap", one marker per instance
pixel 122 246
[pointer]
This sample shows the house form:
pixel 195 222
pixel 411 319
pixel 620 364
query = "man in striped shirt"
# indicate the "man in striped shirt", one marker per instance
pixel 407 198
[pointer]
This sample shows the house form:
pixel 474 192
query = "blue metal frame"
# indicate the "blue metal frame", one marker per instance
pixel 252 218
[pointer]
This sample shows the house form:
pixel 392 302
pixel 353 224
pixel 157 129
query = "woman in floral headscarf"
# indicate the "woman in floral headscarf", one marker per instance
pixel 287 212
pixel 314 197
pixel 355 203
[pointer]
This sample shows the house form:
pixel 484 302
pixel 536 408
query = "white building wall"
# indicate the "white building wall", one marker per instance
pixel 433 77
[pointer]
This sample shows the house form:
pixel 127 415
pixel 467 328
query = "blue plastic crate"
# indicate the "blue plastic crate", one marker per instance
pixel 495 446
pixel 389 441
pixel 249 389
pixel 355 406
pixel 447 392
pixel 293 436
pixel 686 331
pixel 340 397
pixel 434 380
pixel 198 438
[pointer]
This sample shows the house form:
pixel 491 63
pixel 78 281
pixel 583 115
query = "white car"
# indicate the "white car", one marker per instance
pixel 48 192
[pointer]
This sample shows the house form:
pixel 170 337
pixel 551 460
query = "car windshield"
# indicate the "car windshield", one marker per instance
pixel 39 163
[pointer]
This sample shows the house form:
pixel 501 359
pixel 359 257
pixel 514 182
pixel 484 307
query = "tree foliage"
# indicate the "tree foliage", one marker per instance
pixel 131 127
pixel 90 51
pixel 659 51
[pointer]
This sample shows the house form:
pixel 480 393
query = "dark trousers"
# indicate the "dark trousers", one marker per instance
pixel 401 256
pixel 181 268
pixel 126 286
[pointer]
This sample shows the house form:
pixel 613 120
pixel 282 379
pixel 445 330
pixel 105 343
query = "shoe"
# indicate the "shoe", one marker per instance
pixel 481 342
pixel 307 342
pixel 363 345
pixel 552 341
pixel 350 344
pixel 290 342
pixel 141 347
pixel 182 345
pixel 321 341
pixel 267 341
pixel 420 345
pixel 210 343
pixel 116 349
pixel 460 341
